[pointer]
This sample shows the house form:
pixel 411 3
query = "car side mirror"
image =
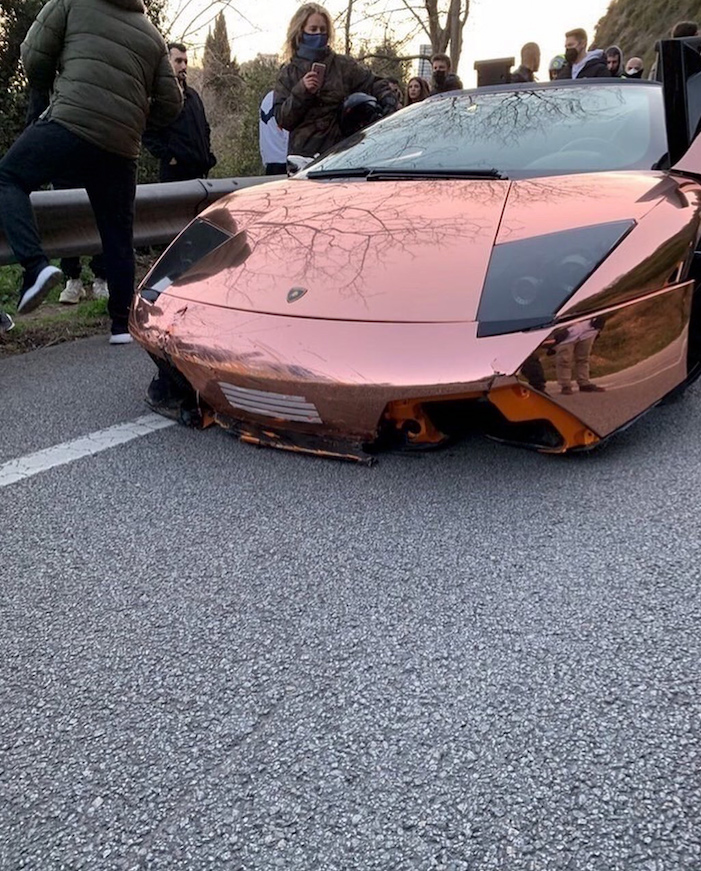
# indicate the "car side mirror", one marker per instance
pixel 297 162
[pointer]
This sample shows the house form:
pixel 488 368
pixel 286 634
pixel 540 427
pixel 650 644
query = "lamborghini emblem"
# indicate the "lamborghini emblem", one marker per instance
pixel 295 293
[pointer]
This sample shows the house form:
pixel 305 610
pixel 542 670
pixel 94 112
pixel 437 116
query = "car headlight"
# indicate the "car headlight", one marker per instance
pixel 529 281
pixel 195 242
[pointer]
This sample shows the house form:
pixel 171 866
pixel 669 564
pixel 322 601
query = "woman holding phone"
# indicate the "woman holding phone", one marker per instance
pixel 313 84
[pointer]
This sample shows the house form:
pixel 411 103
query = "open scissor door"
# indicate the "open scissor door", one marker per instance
pixel 679 70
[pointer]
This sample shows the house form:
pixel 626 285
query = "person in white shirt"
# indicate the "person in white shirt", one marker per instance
pixel 272 139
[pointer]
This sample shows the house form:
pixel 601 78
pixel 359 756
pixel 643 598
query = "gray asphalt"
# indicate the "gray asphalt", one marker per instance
pixel 217 657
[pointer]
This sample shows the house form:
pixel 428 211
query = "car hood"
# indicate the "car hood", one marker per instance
pixel 398 251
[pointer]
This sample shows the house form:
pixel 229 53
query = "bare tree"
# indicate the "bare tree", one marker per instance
pixel 441 21
pixel 443 24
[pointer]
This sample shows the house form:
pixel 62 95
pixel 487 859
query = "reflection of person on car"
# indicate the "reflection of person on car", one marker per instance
pixel 312 86
pixel 573 350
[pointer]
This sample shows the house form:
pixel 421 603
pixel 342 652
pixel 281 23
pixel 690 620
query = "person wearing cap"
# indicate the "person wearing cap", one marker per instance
pixel 556 66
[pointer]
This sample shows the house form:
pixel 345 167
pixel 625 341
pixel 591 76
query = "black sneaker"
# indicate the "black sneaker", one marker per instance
pixel 35 287
pixel 6 322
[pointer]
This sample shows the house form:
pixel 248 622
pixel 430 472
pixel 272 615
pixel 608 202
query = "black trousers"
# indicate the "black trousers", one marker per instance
pixel 182 171
pixel 46 151
pixel 71 267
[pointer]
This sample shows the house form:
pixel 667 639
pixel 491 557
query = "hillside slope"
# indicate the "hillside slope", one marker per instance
pixel 635 25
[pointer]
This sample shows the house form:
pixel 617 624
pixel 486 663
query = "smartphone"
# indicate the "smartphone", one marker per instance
pixel 320 70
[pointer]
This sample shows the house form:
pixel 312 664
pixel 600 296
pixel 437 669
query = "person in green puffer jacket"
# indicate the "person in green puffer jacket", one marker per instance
pixel 107 68
pixel 312 86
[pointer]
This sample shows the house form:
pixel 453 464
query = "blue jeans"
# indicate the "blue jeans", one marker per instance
pixel 46 151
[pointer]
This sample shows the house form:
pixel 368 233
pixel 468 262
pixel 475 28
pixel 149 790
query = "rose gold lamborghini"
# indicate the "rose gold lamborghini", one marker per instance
pixel 517 259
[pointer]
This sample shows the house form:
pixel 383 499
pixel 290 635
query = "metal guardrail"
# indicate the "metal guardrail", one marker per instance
pixel 68 228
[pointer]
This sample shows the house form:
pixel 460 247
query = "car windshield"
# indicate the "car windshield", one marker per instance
pixel 517 132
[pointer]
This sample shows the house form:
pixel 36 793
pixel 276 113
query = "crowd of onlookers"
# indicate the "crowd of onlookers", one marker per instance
pixel 105 81
pixel 307 105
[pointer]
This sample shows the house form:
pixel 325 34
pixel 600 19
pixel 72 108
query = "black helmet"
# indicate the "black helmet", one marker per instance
pixel 357 111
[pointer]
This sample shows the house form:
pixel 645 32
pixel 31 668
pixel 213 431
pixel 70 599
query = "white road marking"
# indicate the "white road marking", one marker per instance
pixel 67 452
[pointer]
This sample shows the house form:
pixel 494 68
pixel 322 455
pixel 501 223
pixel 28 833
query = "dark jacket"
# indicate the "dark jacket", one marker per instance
pixel 452 82
pixel 107 68
pixel 186 140
pixel 312 119
pixel 522 74
pixel 594 68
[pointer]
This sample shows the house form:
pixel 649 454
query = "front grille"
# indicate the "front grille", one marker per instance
pixel 278 405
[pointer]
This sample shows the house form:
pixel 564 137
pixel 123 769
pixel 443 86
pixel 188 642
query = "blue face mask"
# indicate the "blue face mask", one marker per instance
pixel 315 40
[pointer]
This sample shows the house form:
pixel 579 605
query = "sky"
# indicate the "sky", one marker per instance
pixel 495 28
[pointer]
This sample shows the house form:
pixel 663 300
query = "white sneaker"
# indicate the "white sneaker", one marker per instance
pixel 73 292
pixel 100 289
pixel 120 339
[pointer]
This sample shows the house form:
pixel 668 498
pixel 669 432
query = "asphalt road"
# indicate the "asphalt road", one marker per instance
pixel 217 657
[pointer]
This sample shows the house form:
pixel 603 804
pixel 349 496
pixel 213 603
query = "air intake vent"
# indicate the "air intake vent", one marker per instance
pixel 278 405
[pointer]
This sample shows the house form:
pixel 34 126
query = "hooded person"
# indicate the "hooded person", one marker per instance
pixel 634 68
pixel 313 84
pixel 614 61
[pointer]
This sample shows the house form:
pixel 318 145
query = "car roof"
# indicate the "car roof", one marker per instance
pixel 542 86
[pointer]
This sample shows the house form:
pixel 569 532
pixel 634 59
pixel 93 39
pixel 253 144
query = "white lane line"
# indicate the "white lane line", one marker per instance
pixel 67 452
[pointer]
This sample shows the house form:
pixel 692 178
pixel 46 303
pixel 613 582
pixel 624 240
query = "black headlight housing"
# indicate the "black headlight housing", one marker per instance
pixel 196 241
pixel 528 281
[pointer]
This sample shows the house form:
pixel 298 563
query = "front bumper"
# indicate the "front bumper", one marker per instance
pixel 345 388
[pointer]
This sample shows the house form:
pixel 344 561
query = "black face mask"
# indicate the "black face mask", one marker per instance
pixel 439 77
pixel 571 55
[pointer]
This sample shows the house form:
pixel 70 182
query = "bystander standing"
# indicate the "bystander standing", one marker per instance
pixel 581 63
pixel 530 64
pixel 417 90
pixel 183 147
pixel 614 61
pixel 314 83
pixel 272 139
pixel 109 69
pixel 442 79
pixel 634 68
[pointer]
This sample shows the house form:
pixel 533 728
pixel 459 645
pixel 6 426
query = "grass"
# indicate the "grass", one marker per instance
pixel 53 323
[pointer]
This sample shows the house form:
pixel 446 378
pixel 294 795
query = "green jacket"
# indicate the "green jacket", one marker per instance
pixel 107 66
pixel 312 119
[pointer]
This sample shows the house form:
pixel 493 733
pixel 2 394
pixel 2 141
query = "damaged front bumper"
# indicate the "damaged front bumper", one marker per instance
pixel 348 389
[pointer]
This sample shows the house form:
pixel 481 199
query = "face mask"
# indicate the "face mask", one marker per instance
pixel 439 77
pixel 634 74
pixel 315 40
pixel 571 55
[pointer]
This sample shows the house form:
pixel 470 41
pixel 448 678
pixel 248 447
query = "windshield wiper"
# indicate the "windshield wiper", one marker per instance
pixel 379 174
pixel 353 172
